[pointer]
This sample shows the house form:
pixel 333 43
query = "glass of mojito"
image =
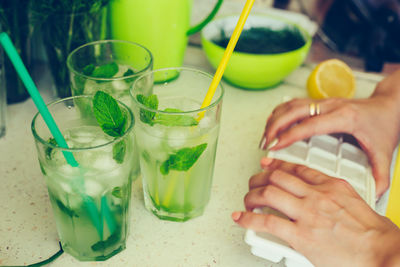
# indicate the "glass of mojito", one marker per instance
pixel 176 140
pixel 111 66
pixel 91 197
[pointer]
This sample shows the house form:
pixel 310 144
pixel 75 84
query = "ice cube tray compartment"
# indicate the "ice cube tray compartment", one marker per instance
pixel 326 143
pixel 332 155
pixel 297 152
pixel 320 159
pixel 353 154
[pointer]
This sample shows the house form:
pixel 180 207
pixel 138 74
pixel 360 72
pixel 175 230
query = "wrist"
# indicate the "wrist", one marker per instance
pixel 389 87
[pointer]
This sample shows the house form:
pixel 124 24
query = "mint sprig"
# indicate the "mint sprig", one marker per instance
pixel 108 114
pixel 111 240
pixel 129 72
pixel 174 120
pixel 152 118
pixel 111 120
pixel 183 159
pixel 66 210
pixel 105 70
pixel 88 69
pixel 119 151
pixel 117 192
pixel 49 150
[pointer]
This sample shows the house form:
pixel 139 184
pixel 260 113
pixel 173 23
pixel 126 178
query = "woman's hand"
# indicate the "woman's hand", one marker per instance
pixel 329 223
pixel 374 122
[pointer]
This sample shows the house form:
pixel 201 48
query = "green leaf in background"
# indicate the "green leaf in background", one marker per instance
pixel 150 102
pixel 68 6
pixel 105 71
pixel 129 72
pixel 108 114
pixel 64 26
pixel 174 120
pixel 119 150
pixel 183 159
pixel 49 150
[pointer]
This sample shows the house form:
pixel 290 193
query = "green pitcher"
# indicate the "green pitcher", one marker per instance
pixel 162 26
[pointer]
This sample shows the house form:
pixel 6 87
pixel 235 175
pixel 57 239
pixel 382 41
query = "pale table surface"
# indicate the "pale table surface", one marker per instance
pixel 27 226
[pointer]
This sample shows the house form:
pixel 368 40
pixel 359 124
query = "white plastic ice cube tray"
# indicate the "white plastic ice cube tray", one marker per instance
pixel 332 156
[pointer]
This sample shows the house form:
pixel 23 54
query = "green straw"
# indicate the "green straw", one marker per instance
pixel 55 131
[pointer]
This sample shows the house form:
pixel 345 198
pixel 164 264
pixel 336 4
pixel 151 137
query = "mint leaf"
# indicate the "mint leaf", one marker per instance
pixel 183 159
pixel 146 156
pixel 117 192
pixel 129 72
pixel 66 210
pixel 105 71
pixel 78 86
pixel 108 114
pixel 49 150
pixel 174 120
pixel 151 118
pixel 111 240
pixel 41 168
pixel 150 102
pixel 119 150
pixel 88 69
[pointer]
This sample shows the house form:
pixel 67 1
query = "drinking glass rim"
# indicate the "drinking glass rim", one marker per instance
pixel 213 104
pixel 56 146
pixel 141 71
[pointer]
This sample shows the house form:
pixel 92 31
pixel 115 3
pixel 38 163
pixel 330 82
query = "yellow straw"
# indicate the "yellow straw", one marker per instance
pixel 393 207
pixel 227 54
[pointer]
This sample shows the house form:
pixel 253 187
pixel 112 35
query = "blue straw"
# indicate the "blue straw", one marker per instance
pixel 55 131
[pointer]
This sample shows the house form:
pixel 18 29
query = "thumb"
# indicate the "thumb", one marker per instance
pixel 381 172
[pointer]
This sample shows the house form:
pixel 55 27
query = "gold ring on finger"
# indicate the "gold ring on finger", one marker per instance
pixel 314 109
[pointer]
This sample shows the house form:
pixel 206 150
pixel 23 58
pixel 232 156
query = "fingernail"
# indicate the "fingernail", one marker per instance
pixel 265 161
pixel 236 215
pixel 272 144
pixel 262 142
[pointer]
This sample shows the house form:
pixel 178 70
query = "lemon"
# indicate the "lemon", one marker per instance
pixel 331 78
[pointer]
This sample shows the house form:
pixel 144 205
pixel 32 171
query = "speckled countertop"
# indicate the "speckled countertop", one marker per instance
pixel 27 227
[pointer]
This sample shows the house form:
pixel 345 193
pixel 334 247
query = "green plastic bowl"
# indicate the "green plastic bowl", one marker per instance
pixel 253 71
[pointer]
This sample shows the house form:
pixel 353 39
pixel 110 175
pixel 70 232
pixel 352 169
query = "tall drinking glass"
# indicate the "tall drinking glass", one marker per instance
pixel 176 141
pixel 90 202
pixel 111 66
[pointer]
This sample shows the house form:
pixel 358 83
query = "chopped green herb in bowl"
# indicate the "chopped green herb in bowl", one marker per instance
pixel 268 50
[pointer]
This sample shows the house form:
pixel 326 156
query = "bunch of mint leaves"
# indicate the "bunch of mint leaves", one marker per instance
pixel 184 158
pixel 112 121
pixel 64 26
